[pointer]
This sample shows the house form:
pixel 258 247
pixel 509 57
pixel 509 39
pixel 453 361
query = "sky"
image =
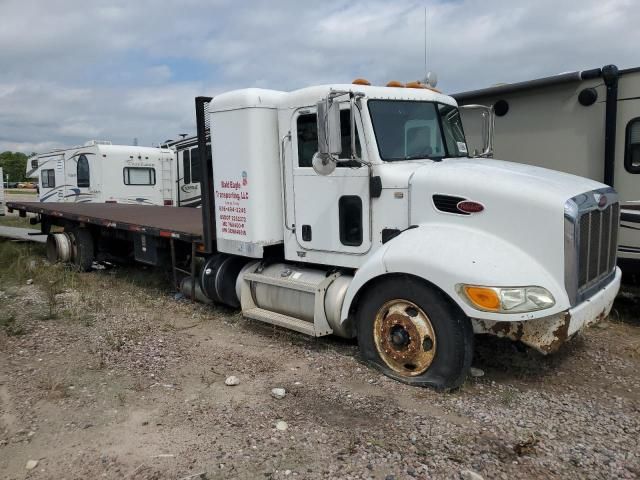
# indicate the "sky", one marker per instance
pixel 76 70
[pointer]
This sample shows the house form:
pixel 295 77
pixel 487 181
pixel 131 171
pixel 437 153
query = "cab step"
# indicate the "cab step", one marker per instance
pixel 280 320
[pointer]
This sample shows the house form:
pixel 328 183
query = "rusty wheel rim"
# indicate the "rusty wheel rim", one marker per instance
pixel 404 337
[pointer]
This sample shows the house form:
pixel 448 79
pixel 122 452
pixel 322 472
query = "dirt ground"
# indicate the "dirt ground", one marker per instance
pixel 109 375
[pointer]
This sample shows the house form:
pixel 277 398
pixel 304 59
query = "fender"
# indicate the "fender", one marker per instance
pixel 447 255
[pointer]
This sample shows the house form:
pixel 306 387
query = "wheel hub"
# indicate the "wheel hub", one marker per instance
pixel 404 337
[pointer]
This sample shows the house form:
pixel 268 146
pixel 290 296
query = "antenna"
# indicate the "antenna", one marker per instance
pixel 425 42
pixel 430 77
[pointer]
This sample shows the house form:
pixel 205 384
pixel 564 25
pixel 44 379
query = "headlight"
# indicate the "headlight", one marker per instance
pixel 507 299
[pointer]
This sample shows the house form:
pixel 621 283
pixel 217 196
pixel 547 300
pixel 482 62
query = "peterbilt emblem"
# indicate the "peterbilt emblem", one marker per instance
pixel 469 206
pixel 600 199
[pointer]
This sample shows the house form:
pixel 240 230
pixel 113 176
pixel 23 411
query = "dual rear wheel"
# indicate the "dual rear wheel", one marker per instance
pixel 75 247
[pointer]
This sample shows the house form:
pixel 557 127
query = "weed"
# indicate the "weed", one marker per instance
pixel 55 387
pixel 11 325
pixel 101 360
pixel 52 289
pixel 139 385
pixel 18 261
pixel 508 397
pixel 114 341
pixel 122 397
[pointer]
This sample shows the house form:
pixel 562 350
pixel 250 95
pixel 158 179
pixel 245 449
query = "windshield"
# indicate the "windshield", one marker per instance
pixel 407 130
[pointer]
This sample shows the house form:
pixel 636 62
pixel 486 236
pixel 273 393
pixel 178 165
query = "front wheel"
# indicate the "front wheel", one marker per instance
pixel 413 333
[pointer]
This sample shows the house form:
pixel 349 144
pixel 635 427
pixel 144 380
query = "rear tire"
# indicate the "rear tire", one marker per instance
pixel 84 249
pixel 413 333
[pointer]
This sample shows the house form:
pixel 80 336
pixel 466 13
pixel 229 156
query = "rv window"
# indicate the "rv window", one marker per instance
pixel 82 178
pixel 139 176
pixel 195 166
pixel 186 166
pixel 308 139
pixel 48 178
pixel 632 149
pixel 34 163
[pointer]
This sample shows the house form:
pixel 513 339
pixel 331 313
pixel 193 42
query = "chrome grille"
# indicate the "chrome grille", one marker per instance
pixel 591 241
pixel 597 243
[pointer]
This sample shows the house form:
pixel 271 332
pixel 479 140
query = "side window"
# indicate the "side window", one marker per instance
pixel 139 176
pixel 82 178
pixel 632 147
pixel 34 163
pixel 186 166
pixel 308 139
pixel 48 178
pixel 195 166
pixel 350 220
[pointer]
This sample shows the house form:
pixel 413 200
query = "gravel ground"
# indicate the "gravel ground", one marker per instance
pixel 121 380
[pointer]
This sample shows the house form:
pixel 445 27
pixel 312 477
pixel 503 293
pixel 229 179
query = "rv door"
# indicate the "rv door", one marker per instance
pixel 627 174
pixel 82 177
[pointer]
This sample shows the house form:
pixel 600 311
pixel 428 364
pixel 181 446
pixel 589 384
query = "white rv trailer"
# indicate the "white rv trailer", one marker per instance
pixel 102 172
pixel 188 171
pixel 356 210
pixel 586 123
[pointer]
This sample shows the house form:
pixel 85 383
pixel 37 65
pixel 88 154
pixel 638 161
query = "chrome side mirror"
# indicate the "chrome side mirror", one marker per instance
pixel 488 127
pixel 325 160
pixel 329 133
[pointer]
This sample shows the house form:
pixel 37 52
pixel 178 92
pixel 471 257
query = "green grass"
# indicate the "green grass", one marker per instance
pixel 16 221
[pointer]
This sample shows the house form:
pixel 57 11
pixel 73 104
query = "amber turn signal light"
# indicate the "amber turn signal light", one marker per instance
pixel 483 298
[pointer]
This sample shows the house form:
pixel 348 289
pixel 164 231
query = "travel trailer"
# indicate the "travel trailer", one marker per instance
pixel 355 210
pixel 586 123
pixel 102 172
pixel 187 168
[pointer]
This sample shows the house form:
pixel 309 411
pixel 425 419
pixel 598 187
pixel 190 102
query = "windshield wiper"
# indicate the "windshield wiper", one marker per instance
pixel 422 157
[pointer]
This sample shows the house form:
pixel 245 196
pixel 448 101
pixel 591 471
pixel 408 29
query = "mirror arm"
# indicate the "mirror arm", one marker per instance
pixel 352 121
pixel 488 126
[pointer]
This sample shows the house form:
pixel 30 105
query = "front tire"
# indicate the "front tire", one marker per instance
pixel 414 333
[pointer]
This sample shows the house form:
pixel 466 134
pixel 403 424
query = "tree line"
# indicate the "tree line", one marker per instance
pixel 15 165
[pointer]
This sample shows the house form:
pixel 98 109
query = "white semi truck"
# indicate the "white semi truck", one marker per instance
pixel 355 210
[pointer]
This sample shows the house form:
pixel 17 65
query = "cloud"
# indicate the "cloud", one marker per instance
pixel 75 70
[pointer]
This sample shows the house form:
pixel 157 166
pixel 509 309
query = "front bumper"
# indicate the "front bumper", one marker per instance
pixel 548 333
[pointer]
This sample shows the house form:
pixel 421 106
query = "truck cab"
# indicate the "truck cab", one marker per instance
pixel 366 217
pixel 374 188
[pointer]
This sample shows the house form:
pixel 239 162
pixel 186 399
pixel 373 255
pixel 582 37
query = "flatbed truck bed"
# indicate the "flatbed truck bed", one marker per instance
pixel 150 234
pixel 176 222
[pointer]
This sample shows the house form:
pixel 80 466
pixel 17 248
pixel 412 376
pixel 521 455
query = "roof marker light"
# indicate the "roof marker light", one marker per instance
pixel 395 83
pixel 361 81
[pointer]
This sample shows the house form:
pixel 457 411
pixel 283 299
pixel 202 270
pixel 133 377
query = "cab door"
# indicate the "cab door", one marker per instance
pixel 331 213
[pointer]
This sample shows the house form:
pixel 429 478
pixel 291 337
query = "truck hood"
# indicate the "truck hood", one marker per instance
pixel 523 205
pixel 463 171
